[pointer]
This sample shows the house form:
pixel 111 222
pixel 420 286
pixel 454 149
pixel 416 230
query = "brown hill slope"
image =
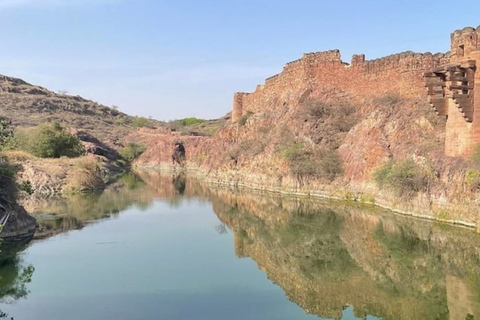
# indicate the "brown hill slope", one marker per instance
pixel 29 105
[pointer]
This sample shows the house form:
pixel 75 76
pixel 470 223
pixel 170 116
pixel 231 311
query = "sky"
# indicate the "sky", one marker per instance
pixel 175 59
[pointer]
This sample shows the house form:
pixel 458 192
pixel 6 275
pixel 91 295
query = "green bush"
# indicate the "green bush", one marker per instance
pixel 6 134
pixel 132 150
pixel 191 121
pixel 140 122
pixel 404 177
pixel 50 141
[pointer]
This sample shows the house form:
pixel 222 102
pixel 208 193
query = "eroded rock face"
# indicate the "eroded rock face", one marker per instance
pixel 18 224
pixel 179 155
pixel 94 146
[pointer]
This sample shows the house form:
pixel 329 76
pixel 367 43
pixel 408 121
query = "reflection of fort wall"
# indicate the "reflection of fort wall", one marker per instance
pixel 326 255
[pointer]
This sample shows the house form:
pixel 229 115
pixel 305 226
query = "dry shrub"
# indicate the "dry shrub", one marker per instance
pixel 18 155
pixel 326 123
pixel 308 162
pixel 84 176
pixel 389 99
pixel 247 148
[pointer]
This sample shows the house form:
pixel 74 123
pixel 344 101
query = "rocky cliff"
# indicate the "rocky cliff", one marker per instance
pixel 363 131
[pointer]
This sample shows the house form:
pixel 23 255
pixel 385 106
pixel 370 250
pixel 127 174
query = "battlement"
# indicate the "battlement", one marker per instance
pixel 271 79
pixel 322 56
pixel 405 61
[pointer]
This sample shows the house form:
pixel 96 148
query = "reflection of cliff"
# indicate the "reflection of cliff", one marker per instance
pixel 56 215
pixel 61 214
pixel 327 255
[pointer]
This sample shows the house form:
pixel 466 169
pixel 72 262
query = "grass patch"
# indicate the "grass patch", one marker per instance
pixel 85 175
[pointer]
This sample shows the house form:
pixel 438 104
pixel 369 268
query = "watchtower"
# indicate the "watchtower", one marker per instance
pixel 454 92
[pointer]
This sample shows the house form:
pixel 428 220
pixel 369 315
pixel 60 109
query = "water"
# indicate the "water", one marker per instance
pixel 163 250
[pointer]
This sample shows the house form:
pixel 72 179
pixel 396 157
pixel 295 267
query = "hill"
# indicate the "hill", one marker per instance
pixel 28 105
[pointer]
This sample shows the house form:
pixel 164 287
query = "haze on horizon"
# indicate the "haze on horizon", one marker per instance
pixel 173 59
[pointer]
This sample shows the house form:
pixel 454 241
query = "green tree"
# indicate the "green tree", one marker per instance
pixel 6 134
pixel 51 141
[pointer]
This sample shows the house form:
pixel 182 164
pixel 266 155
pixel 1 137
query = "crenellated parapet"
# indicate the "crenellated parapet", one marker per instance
pixel 322 56
pixel 406 61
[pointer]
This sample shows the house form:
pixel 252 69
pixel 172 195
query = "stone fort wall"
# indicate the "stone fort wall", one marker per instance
pixel 402 73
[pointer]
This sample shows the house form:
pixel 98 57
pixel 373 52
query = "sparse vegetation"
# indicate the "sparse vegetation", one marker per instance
pixel 140 122
pixel 49 141
pixel 475 158
pixel 389 100
pixel 326 123
pixel 312 162
pixel 196 127
pixel 131 151
pixel 247 148
pixel 405 177
pixel 191 121
pixel 85 176
pixel 243 119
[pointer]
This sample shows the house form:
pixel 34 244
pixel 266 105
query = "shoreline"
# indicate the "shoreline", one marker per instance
pixel 203 174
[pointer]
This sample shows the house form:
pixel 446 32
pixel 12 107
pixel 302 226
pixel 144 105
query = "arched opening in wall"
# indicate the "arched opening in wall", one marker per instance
pixel 461 50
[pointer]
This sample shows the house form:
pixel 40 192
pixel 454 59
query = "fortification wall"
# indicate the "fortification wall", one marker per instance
pixel 400 73
pixel 452 80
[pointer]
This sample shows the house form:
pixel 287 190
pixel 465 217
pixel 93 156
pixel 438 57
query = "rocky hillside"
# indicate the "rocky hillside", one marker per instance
pixel 29 105
pixel 331 142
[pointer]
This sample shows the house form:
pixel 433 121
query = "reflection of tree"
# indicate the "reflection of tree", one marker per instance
pixel 14 275
pixel 132 181
pixel 179 182
pixel 13 281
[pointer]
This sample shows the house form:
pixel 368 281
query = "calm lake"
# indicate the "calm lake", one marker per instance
pixel 169 248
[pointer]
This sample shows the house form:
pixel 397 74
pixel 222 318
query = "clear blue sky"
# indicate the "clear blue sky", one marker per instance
pixel 173 59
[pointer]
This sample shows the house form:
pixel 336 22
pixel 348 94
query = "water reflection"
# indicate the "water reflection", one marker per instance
pixel 14 274
pixel 71 212
pixel 325 255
